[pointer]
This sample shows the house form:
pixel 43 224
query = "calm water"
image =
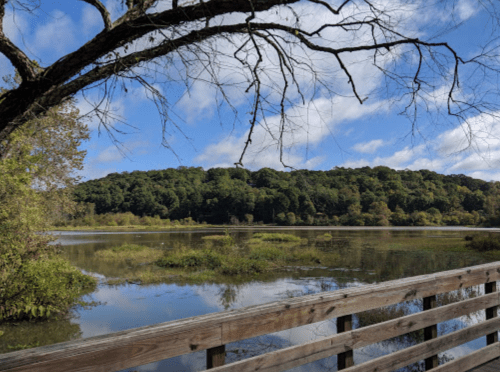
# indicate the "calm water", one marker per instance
pixel 366 256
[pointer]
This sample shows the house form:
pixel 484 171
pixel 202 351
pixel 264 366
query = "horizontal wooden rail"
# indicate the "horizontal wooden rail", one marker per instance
pixel 144 345
pixel 294 356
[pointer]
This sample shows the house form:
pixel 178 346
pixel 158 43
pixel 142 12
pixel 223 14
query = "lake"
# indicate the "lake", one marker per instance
pixel 364 255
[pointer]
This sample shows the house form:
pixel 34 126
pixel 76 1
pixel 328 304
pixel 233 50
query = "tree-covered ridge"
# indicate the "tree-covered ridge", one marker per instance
pixel 377 196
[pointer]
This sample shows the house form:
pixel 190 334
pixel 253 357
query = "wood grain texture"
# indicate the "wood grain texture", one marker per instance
pixel 284 359
pixel 491 312
pixel 216 356
pixel 430 332
pixel 152 343
pixel 426 349
pixel 345 359
pixel 471 360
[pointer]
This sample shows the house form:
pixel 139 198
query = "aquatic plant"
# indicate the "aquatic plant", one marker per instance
pixel 192 258
pixel 276 237
pixel 483 243
pixel 133 253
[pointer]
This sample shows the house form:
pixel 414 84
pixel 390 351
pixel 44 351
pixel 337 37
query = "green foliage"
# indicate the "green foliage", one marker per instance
pixel 276 237
pixel 34 281
pixel 42 287
pixel 132 253
pixel 222 239
pixel 377 196
pixel 192 258
pixel 241 266
pixel 267 253
pixel 483 243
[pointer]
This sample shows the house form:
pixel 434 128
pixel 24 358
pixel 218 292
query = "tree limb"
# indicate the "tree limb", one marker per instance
pixel 106 17
pixel 15 55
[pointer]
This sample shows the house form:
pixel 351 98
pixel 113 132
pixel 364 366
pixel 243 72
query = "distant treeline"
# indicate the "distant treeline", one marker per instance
pixel 366 196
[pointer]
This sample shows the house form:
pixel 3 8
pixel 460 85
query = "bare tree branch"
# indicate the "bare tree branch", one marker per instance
pixel 15 55
pixel 106 17
pixel 185 37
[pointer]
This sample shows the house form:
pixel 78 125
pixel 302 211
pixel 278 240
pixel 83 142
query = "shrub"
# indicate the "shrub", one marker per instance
pixel 483 243
pixel 192 258
pixel 239 266
pixel 136 254
pixel 267 253
pixel 42 288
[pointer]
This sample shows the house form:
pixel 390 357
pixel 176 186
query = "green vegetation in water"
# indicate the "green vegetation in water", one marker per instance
pixel 276 237
pixel 220 259
pixel 483 243
pixel 132 253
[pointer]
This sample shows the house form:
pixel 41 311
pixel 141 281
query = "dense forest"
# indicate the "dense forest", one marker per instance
pixel 366 196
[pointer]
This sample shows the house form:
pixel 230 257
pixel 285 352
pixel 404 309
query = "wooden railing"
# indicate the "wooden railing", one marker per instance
pixel 212 332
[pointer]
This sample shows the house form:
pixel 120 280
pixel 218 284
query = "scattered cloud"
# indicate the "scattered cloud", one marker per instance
pixel 368 147
pixel 49 36
pixel 308 125
pixel 467 9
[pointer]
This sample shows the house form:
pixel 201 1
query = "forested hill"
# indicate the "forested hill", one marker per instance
pixel 364 196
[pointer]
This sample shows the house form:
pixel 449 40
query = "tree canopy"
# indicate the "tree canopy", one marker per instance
pixel 364 196
pixel 282 53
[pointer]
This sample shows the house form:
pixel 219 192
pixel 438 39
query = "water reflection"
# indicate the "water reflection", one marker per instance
pixel 365 256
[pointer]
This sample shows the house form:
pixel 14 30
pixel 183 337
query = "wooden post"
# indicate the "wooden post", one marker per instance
pixel 430 333
pixel 216 356
pixel 491 312
pixel 345 359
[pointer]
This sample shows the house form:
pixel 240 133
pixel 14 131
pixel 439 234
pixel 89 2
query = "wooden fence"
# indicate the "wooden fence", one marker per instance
pixel 134 347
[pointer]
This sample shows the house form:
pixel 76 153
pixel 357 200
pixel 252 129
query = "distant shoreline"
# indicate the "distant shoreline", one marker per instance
pixel 133 229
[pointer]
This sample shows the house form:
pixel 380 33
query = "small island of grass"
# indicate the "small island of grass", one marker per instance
pixel 218 259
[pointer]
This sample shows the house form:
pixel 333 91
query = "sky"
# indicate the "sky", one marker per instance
pixel 327 131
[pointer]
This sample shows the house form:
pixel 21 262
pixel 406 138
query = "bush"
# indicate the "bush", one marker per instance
pixel 34 282
pixel 132 253
pixel 483 243
pixel 267 253
pixel 192 258
pixel 41 288
pixel 239 266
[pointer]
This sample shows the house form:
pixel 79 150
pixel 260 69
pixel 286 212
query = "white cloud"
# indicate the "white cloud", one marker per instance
pixel 467 9
pixel 109 155
pixel 368 147
pixel 308 125
pixel 91 20
pixel 487 176
pixel 50 35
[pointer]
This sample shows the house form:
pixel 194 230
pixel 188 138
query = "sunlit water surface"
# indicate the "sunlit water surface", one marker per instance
pixel 370 256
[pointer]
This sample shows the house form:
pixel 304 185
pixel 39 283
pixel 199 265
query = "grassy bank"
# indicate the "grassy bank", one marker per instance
pixel 129 228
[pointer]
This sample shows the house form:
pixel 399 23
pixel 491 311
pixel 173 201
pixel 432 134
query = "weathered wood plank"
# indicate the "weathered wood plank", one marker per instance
pixel 430 332
pixel 101 356
pixel 306 310
pixel 471 360
pixel 424 350
pixel 345 359
pixel 216 356
pixel 491 312
pixel 148 344
pixel 284 359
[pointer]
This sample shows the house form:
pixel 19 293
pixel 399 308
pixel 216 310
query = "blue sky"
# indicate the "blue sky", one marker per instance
pixel 326 132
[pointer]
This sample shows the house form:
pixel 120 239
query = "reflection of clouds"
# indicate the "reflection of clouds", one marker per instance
pixel 94 329
pixel 117 298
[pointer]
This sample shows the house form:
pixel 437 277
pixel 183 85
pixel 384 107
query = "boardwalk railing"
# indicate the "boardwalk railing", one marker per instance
pixel 212 332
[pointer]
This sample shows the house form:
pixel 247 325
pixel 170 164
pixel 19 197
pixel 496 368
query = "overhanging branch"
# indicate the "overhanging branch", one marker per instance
pixel 15 55
pixel 104 12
